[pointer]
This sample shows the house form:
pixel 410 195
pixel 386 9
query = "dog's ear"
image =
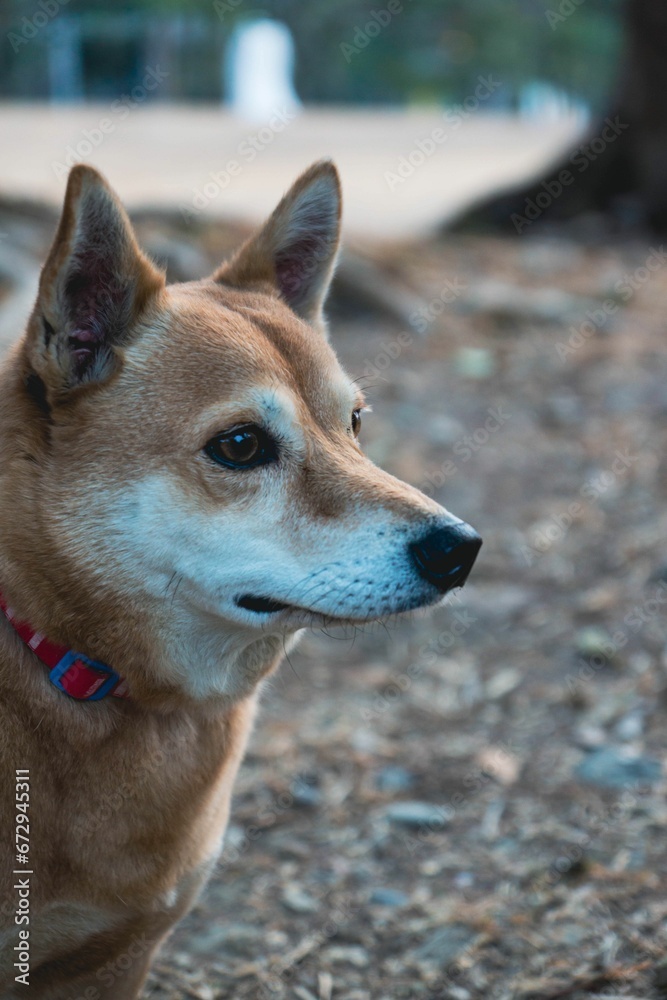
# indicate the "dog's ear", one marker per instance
pixel 94 286
pixel 295 251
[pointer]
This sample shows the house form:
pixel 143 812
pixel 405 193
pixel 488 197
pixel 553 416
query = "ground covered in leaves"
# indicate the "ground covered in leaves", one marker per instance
pixel 471 803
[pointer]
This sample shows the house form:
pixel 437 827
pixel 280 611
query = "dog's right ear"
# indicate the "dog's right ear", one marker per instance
pixel 294 254
pixel 94 286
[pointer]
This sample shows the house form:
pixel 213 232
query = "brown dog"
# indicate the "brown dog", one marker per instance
pixel 181 489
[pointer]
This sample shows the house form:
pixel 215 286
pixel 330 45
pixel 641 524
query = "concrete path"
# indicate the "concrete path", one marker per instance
pixel 203 159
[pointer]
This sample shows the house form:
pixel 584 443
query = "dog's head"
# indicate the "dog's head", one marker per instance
pixel 191 463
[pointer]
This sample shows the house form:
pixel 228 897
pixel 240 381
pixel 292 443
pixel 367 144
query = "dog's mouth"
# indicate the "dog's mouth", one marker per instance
pixel 260 605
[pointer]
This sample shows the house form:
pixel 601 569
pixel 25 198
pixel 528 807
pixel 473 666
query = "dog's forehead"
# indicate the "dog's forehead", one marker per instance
pixel 226 341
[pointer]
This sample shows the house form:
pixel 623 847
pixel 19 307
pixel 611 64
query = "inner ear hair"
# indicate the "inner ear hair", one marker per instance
pixel 36 389
pixel 295 251
pixel 95 284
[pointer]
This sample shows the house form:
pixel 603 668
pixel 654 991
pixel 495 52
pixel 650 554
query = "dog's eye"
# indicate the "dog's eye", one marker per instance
pixel 356 422
pixel 242 447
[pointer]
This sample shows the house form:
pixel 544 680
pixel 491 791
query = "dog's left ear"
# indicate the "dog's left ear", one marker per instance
pixel 295 251
pixel 95 285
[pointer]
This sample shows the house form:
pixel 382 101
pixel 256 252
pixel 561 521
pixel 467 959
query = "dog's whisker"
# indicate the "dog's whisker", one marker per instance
pixel 288 658
pixel 311 577
pixel 175 590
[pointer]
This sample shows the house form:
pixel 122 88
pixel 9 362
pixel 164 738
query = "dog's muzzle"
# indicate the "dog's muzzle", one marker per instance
pixel 445 556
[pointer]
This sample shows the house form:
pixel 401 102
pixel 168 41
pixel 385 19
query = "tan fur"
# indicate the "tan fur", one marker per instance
pixel 129 800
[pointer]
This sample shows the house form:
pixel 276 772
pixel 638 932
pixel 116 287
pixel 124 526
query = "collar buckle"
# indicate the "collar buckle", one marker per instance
pixel 82 678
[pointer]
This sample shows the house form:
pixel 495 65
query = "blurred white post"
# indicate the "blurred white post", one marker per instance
pixel 64 59
pixel 260 69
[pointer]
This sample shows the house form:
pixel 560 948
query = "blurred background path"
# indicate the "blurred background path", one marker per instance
pixel 179 156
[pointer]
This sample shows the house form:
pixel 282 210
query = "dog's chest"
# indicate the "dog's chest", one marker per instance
pixel 109 846
pixel 137 826
pixel 136 822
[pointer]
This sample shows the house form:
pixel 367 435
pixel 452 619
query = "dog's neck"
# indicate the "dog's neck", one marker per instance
pixel 25 680
pixel 216 676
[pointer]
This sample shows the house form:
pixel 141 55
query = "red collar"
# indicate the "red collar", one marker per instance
pixel 73 673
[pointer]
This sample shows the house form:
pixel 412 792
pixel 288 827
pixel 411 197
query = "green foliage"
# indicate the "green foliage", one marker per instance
pixel 398 50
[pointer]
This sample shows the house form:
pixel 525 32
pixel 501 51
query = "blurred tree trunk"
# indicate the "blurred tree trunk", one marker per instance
pixel 643 100
pixel 628 179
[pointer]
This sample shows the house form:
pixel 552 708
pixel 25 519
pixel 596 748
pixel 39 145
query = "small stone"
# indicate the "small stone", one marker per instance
pixel 305 792
pixel 594 641
pixel 394 779
pixel 609 768
pixel 502 682
pixel 599 598
pixel 589 737
pixel 348 954
pixel 275 939
pixel 325 985
pixel 364 740
pixel 239 941
pixel 205 992
pixel 498 762
pixel 235 835
pixel 303 994
pixel 568 934
pixel 459 993
pixel 474 362
pixel 630 727
pixel 563 409
pixel 298 901
pixel 444 430
pixel 445 944
pixel 389 897
pixel 418 814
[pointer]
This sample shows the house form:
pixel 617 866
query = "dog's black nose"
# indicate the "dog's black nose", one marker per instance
pixel 446 555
